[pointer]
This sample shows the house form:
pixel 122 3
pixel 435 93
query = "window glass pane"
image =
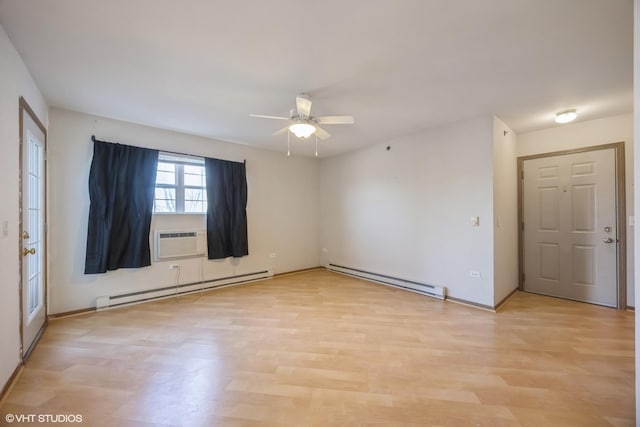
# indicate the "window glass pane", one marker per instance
pixel 195 206
pixel 165 200
pixel 194 175
pixel 194 180
pixel 165 193
pixel 195 194
pixel 166 167
pixel 195 200
pixel 180 176
pixel 160 205
pixel 195 170
pixel 166 178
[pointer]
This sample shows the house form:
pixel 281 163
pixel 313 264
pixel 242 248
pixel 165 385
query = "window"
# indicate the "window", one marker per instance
pixel 180 184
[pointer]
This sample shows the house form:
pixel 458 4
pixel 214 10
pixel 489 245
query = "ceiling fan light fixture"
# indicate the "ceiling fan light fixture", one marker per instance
pixel 566 116
pixel 302 130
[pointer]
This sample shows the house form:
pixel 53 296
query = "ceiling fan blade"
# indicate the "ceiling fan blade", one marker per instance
pixel 261 116
pixel 322 134
pixel 335 120
pixel 281 131
pixel 303 106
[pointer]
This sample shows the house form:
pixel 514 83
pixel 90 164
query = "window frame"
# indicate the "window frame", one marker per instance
pixel 179 186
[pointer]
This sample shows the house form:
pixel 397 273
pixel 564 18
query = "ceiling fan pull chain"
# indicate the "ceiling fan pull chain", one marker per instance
pixel 288 143
pixel 316 145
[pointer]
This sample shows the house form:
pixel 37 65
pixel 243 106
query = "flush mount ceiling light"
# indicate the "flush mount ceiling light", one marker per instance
pixel 302 130
pixel 566 116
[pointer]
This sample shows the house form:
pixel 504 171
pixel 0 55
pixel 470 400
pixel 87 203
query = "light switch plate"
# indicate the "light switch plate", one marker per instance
pixel 475 221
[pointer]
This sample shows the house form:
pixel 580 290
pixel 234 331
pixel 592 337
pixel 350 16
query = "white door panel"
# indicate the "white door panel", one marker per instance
pixel 33 246
pixel 569 210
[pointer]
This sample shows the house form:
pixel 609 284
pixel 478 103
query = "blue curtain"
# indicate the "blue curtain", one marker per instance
pixel 226 209
pixel 121 191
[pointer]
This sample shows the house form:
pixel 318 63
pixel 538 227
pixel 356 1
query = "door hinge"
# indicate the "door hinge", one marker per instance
pixel 522 277
pixel 522 225
pixel 522 174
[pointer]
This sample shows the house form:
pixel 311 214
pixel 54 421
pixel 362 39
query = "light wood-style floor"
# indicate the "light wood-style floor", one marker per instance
pixel 321 349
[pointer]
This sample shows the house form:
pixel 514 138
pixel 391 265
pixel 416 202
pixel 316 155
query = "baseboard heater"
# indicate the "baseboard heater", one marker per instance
pixel 433 291
pixel 111 301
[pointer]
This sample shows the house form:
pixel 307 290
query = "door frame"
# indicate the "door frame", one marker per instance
pixel 621 213
pixel 24 107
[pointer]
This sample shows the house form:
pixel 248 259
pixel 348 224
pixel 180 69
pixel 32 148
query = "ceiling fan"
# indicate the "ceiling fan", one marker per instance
pixel 302 124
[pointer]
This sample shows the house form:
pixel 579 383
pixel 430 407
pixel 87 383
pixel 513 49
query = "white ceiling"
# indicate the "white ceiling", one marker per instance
pixel 398 66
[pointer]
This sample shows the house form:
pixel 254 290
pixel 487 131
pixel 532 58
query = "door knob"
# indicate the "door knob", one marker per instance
pixel 26 251
pixel 608 240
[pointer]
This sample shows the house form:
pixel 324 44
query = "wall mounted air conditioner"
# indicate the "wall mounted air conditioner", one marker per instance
pixel 176 244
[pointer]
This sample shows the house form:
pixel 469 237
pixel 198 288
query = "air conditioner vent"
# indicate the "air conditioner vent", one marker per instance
pixel 179 234
pixel 176 244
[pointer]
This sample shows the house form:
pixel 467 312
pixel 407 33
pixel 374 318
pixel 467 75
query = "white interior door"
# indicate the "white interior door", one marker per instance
pixel 570 232
pixel 32 233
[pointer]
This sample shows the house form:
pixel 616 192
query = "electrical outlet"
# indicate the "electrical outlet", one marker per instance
pixel 474 273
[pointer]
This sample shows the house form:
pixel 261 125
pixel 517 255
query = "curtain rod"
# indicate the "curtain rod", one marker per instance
pixel 93 138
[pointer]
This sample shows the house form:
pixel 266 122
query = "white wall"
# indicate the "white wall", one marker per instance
pixel 505 210
pixel 282 210
pixel 15 82
pixel 585 134
pixel 406 212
